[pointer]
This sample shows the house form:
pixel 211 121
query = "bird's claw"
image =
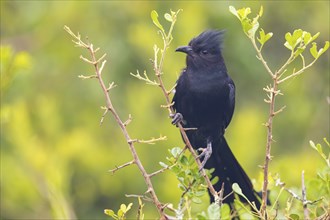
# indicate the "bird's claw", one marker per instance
pixel 176 118
pixel 206 153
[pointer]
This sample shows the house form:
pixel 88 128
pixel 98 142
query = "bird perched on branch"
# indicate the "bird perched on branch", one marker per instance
pixel 204 99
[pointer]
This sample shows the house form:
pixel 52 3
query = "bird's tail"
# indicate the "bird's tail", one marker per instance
pixel 230 171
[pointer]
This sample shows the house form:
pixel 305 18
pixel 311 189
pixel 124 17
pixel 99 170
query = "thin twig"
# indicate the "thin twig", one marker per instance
pixel 121 166
pixel 304 196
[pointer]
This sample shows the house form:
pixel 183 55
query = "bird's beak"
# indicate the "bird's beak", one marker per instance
pixel 184 49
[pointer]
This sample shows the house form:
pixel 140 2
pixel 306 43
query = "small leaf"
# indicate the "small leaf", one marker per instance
pixel 292 40
pixel 247 25
pixel 175 151
pixel 225 211
pixel 325 48
pixel 168 17
pixel 288 43
pixel 299 51
pixel 163 164
pixel 154 17
pixel 244 12
pixel 200 193
pixel 313 50
pixel 123 207
pixel 184 160
pixel 261 11
pixel 215 180
pixel 201 216
pixel 129 207
pixel 294 217
pixel 196 200
pixel 110 213
pixel 120 213
pixel 307 37
pixel 264 37
pixel 255 26
pixel 232 9
pixel 213 211
pixel 238 190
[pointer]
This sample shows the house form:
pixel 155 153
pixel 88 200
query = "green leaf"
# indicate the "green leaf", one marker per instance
pixel 244 12
pixel 292 40
pixel 129 207
pixel 215 180
pixel 232 9
pixel 154 17
pixel 175 151
pixel 317 53
pixel 325 48
pixel 254 28
pixel 213 211
pixel 264 37
pixel 110 213
pixel 238 190
pixel 184 160
pixel 200 193
pixel 163 164
pixel 168 17
pixel 196 200
pixel 307 37
pixel 201 216
pixel 247 25
pixel 313 50
pixel 299 51
pixel 225 211
pixel 261 11
pixel 294 217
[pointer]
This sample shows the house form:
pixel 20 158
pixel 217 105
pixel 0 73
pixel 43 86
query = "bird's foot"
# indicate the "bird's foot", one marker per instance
pixel 176 118
pixel 206 153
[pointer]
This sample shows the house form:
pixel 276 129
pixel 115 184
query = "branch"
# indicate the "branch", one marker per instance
pixel 261 58
pixel 304 196
pixel 158 66
pixel 109 106
pixel 121 166
pixel 294 74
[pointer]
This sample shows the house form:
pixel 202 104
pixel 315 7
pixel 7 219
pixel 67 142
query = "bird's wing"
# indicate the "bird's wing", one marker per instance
pixel 231 103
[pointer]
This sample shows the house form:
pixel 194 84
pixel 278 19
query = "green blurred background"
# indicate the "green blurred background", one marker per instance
pixel 54 154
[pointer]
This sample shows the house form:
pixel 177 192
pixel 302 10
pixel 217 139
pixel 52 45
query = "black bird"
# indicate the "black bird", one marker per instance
pixel 204 99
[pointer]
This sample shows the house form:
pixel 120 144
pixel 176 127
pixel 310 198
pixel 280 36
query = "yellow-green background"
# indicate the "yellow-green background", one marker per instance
pixel 54 154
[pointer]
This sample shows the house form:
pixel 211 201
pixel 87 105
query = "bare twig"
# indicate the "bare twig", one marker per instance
pixel 121 166
pixel 98 71
pixel 304 196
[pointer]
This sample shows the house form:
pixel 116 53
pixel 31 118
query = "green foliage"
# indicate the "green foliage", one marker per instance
pixel 191 183
pixel 121 213
pixel 296 43
pixel 11 64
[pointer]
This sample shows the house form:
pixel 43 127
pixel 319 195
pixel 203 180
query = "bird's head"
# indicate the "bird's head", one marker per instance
pixel 203 50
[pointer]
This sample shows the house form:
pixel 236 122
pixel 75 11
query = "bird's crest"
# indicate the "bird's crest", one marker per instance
pixel 210 39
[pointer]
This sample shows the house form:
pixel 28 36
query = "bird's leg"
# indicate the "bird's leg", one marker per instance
pixel 176 118
pixel 206 153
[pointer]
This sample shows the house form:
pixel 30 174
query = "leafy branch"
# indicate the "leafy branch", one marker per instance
pixel 296 43
pixel 158 63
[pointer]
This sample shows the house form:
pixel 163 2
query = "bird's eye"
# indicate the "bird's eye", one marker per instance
pixel 204 52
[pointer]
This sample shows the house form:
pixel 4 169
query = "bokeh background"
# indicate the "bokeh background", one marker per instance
pixel 54 154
